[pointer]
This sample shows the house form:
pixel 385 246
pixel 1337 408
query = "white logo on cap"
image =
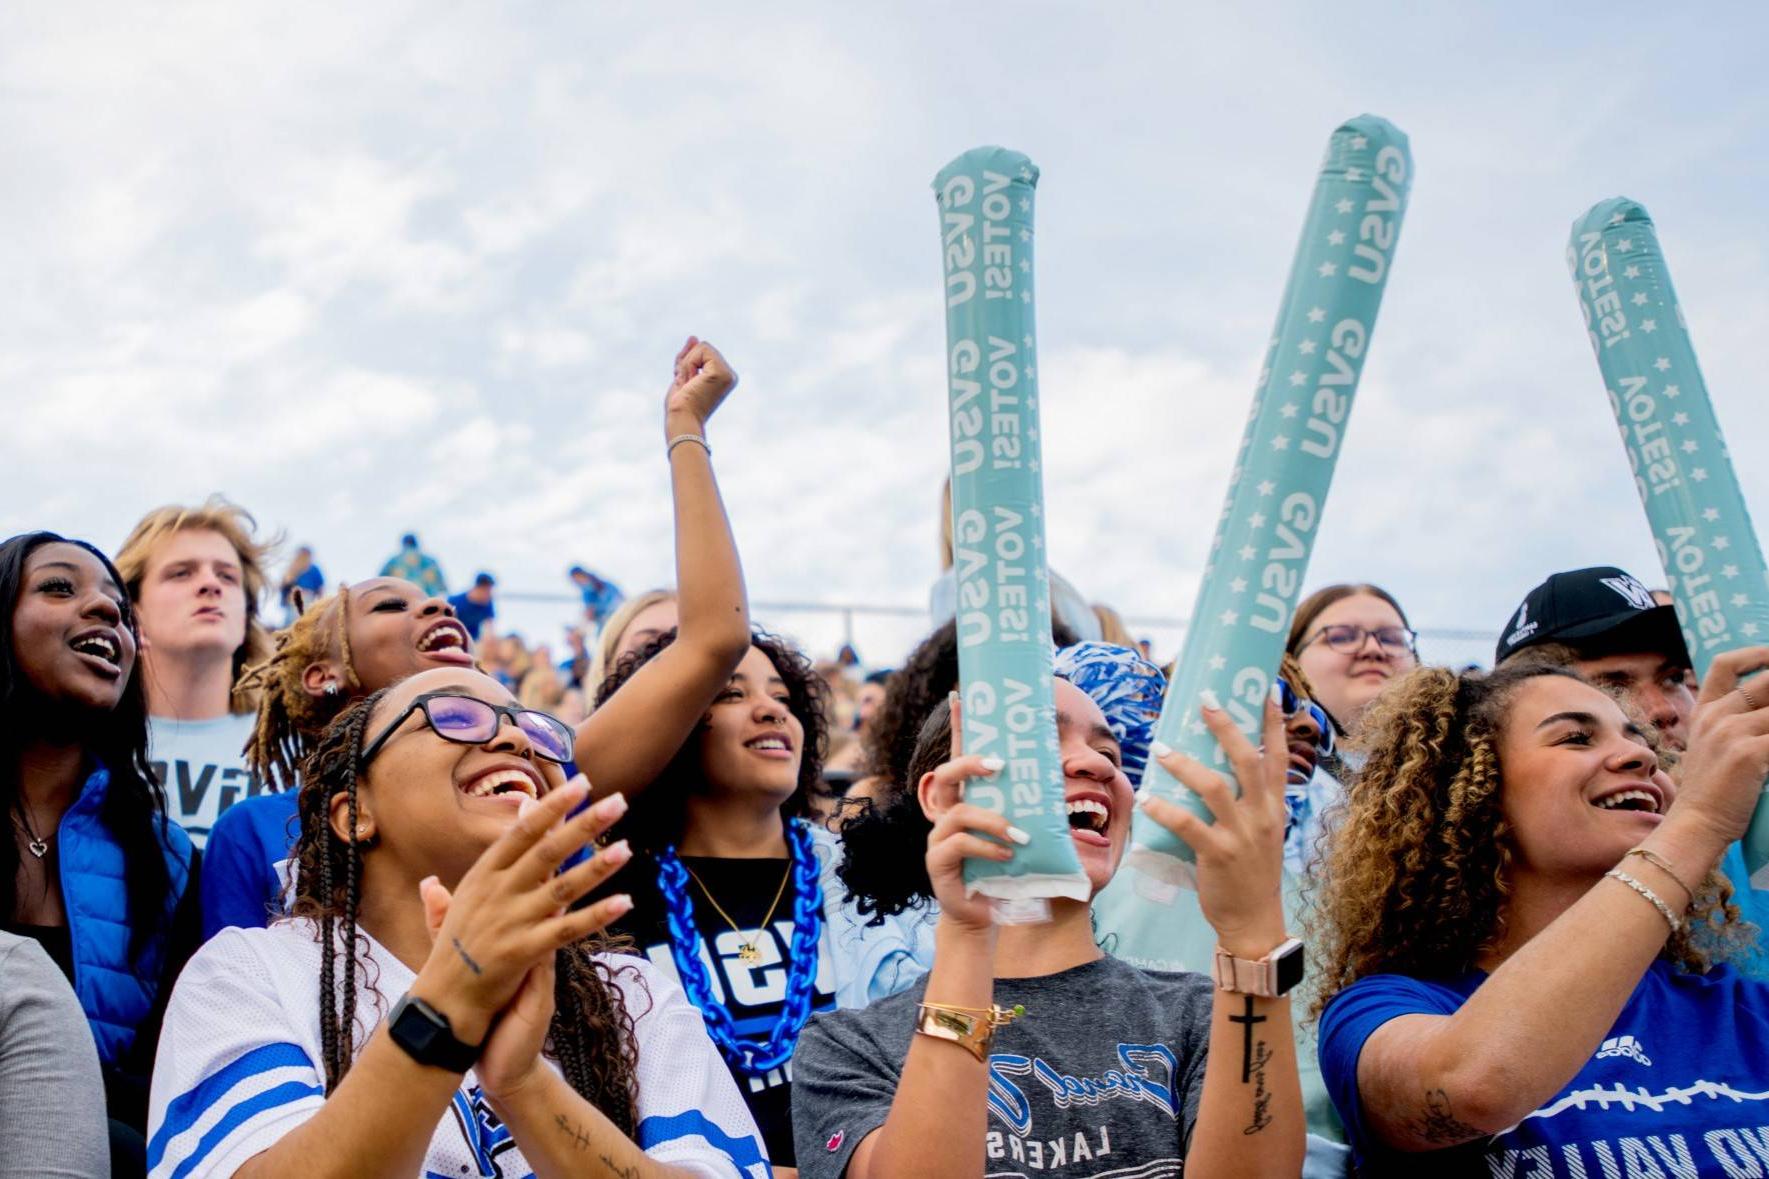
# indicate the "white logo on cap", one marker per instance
pixel 1637 595
pixel 1525 628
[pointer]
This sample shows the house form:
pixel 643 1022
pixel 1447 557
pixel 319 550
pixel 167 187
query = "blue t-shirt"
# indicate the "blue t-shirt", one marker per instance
pixel 473 615
pixel 1678 1088
pixel 246 865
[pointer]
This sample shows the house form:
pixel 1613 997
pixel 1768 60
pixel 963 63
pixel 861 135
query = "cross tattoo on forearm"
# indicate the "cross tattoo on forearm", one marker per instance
pixel 1247 1021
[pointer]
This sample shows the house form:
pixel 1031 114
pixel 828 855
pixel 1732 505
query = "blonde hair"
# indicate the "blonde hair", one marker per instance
pixel 233 524
pixel 946 525
pixel 602 659
pixel 1416 872
pixel 1111 626
pixel 290 718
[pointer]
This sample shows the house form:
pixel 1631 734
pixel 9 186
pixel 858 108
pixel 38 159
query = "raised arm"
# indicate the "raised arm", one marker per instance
pixel 628 740
pixel 1250 1119
pixel 1431 1081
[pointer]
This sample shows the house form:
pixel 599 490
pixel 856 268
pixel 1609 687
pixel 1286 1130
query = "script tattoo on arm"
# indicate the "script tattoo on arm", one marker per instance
pixel 618 1171
pixel 1254 1057
pixel 574 1132
pixel 466 957
pixel 1439 1123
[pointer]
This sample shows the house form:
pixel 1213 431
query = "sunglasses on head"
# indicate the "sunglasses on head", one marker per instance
pixel 1291 703
pixel 468 720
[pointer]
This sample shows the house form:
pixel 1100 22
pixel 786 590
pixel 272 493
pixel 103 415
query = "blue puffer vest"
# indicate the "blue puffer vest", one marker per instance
pixel 117 993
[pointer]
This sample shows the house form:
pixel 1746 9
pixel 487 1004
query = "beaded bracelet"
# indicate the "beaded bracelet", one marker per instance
pixel 1658 861
pixel 1664 910
pixel 681 438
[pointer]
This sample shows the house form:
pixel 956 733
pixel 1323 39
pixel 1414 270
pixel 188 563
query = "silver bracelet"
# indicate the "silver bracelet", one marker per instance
pixel 1664 910
pixel 681 438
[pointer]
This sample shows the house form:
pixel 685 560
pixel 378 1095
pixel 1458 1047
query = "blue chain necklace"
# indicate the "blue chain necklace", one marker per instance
pixel 751 1057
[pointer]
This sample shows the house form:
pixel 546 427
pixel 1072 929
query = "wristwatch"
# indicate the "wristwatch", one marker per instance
pixel 428 1037
pixel 1269 977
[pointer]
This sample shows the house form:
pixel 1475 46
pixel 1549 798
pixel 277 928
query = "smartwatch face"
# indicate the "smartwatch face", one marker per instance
pixel 1288 968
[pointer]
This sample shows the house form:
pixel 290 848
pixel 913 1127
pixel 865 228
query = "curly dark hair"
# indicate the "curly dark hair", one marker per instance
pixel 924 681
pixel 591 1036
pixel 134 807
pixel 884 839
pixel 1416 869
pixel 655 820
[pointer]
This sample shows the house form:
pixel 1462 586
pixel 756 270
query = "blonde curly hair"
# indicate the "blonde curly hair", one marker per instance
pixel 1416 872
pixel 290 718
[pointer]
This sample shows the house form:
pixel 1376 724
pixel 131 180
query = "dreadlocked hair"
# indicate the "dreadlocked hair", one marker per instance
pixel 290 718
pixel 1416 869
pixel 592 1036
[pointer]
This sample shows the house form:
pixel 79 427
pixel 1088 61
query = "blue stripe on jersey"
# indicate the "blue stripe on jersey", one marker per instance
pixel 251 1107
pixel 188 1107
pixel 656 1130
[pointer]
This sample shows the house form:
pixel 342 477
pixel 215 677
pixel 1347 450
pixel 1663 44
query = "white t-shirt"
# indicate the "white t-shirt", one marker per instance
pixel 202 767
pixel 238 1067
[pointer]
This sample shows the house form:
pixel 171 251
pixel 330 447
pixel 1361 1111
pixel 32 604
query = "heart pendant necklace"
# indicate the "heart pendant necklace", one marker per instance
pixel 38 846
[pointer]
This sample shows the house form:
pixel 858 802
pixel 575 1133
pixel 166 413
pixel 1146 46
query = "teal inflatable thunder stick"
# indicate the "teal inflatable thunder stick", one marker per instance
pixel 1004 652
pixel 1682 470
pixel 1280 480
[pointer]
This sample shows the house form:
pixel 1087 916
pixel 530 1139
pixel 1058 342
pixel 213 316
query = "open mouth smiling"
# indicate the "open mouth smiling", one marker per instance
pixel 774 745
pixel 446 641
pixel 1641 799
pixel 1089 816
pixel 506 783
pixel 100 646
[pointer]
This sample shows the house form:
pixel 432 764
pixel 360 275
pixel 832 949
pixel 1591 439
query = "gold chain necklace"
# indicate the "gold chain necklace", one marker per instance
pixel 746 951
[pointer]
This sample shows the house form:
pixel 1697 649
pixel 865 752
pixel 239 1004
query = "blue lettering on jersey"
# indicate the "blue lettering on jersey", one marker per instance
pixel 1150 1073
pixel 486 1136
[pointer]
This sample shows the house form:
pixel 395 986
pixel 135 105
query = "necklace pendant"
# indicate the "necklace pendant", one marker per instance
pixel 748 953
pixel 38 848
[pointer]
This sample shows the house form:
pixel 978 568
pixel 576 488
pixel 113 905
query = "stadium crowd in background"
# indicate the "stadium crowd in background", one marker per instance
pixel 390 888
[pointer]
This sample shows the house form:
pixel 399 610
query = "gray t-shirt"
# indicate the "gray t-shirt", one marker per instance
pixel 52 1119
pixel 1100 1077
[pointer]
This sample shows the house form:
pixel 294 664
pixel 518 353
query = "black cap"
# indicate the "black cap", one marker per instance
pixel 1595 611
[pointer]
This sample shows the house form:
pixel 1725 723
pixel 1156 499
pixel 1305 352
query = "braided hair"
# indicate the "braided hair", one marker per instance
pixel 290 718
pixel 1418 862
pixel 592 1036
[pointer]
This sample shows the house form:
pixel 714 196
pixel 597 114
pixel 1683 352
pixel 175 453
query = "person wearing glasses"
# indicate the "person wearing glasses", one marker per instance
pixel 1350 641
pixel 437 1004
pixel 371 635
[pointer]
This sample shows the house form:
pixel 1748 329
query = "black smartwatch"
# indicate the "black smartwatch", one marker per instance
pixel 427 1036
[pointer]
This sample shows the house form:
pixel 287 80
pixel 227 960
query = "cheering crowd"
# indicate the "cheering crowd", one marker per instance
pixel 379 893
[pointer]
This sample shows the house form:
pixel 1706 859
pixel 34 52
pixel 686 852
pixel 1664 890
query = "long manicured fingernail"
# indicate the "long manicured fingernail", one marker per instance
pixel 424 884
pixel 1276 694
pixel 620 904
pixel 1159 749
pixel 993 764
pixel 614 806
pixel 1208 699
pixel 1018 836
pixel 523 807
pixel 619 852
pixel 1142 796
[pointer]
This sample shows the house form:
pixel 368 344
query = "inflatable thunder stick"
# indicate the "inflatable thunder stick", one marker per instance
pixel 1694 506
pixel 1266 532
pixel 1004 652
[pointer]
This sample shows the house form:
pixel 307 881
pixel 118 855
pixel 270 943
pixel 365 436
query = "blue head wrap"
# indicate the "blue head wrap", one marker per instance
pixel 1127 688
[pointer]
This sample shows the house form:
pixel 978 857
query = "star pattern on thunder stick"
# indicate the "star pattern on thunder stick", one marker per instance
pixel 1749 629
pixel 1280 443
pixel 1721 544
pixel 1029 373
pixel 1336 238
pixel 1358 143
pixel 1630 272
pixel 1729 571
pixel 1238 586
pixel 1689 446
pixel 1624 244
pixel 1327 269
pixel 1025 204
pixel 1218 663
pixel 1618 219
pixel 1672 391
pixel 1025 173
pixel 1343 206
pixel 1317 314
pixel 1679 418
pixel 1267 487
pixel 1298 377
pixel 1639 298
pixel 1025 296
pixel 1228 618
pixel 1649 325
pixel 1700 474
pixel 1662 364
pixel 1025 235
pixel 1307 347
pixel 1740 600
pixel 1025 265
pixel 1247 552
pixel 1711 515
pixel 1290 410
pixel 1354 174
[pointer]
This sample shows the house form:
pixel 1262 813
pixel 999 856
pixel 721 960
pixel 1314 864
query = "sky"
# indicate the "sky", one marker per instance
pixel 373 267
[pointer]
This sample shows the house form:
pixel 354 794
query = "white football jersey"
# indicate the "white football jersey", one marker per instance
pixel 238 1067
